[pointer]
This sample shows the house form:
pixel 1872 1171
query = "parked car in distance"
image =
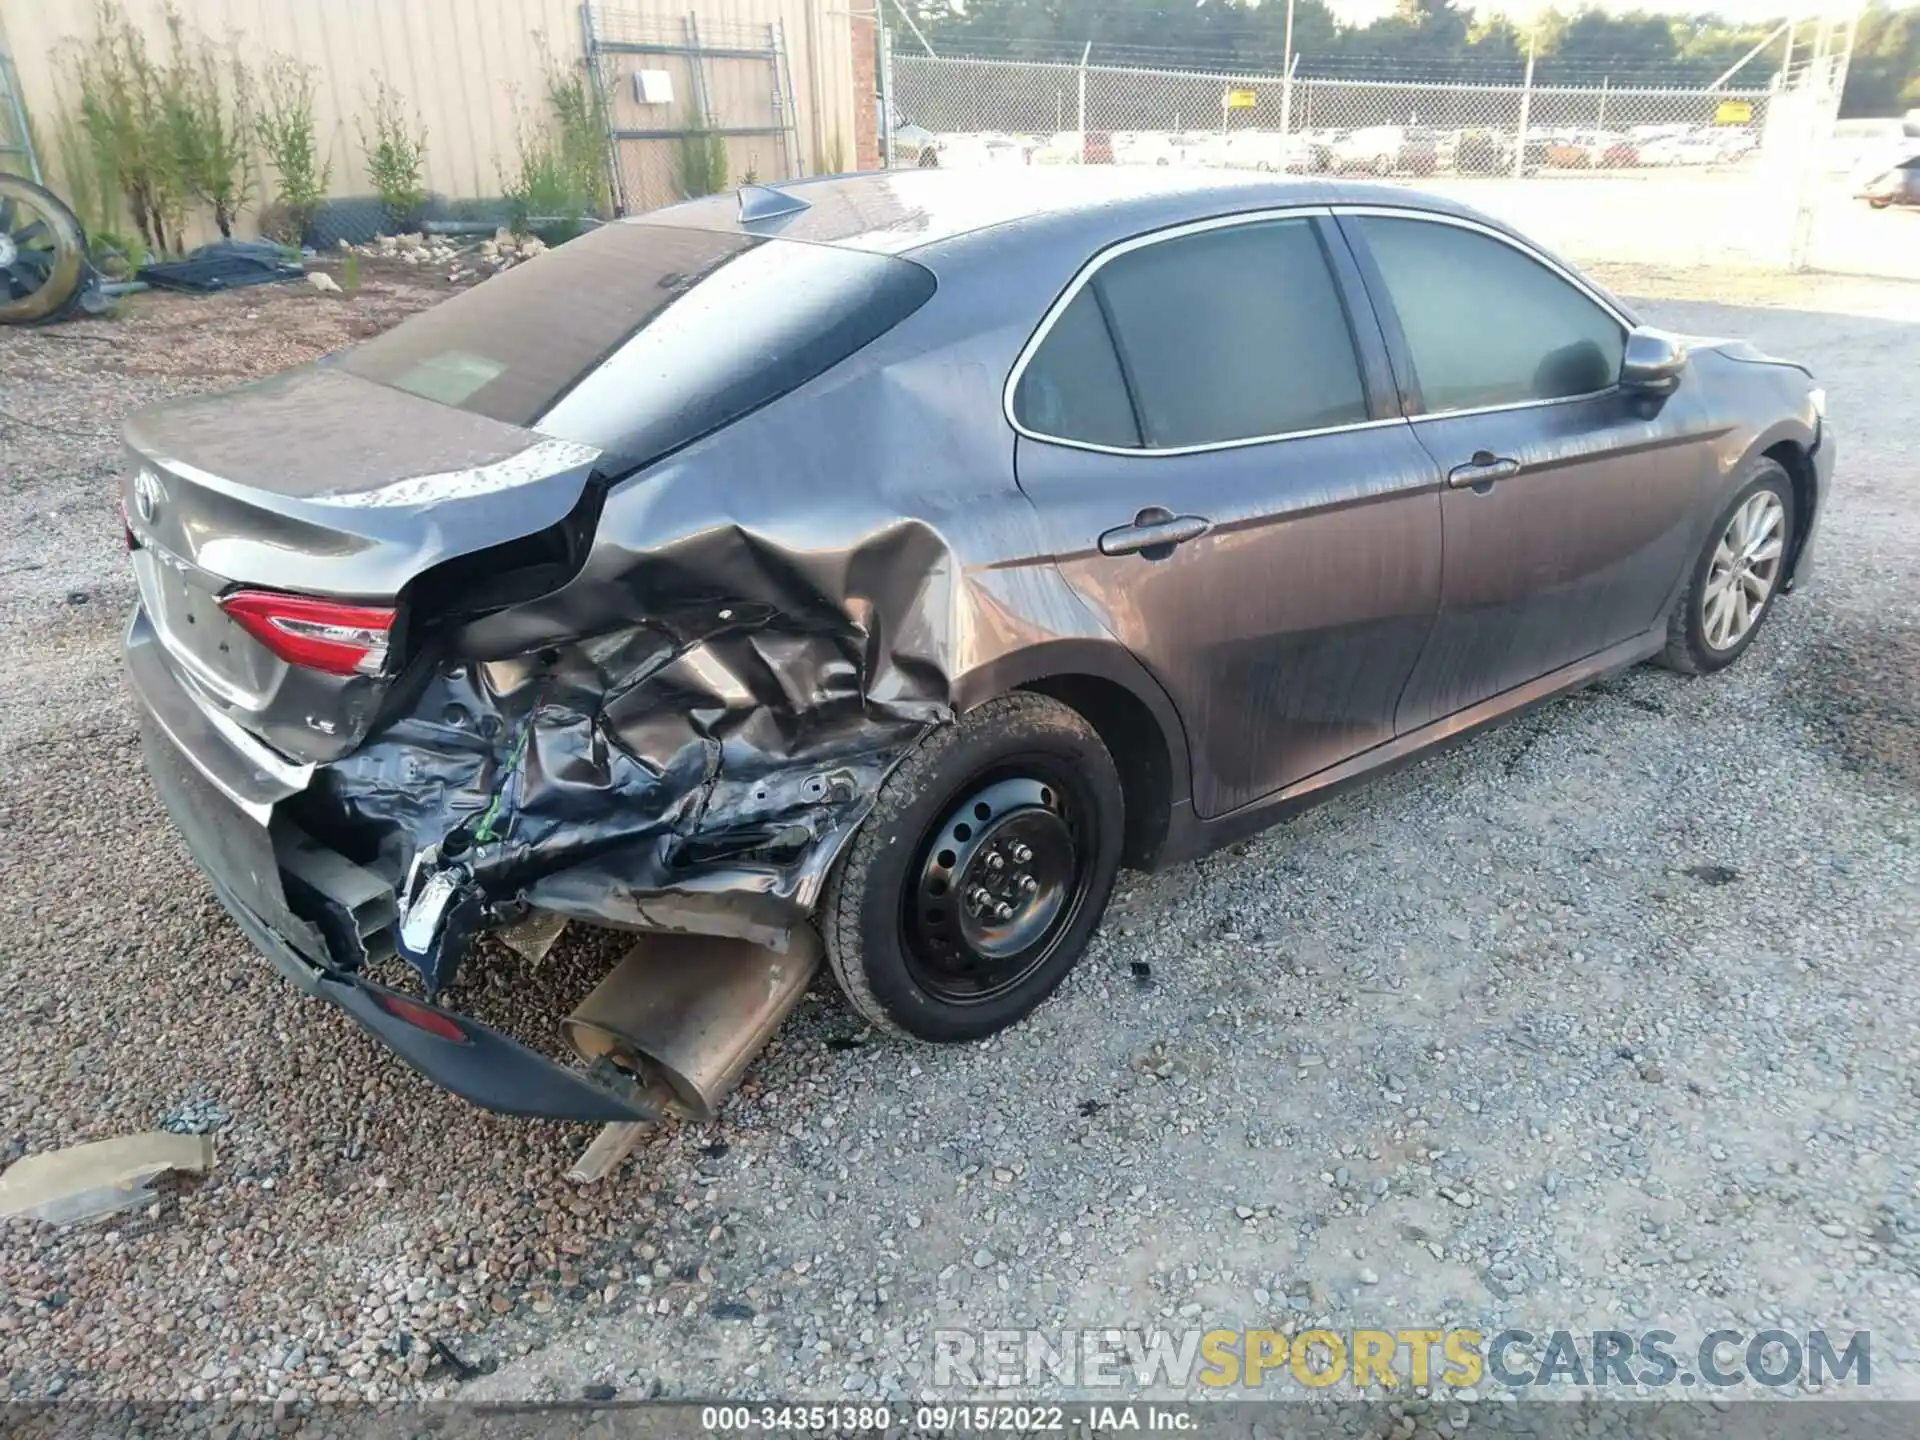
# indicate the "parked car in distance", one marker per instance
pixel 1181 150
pixel 1896 184
pixel 1690 149
pixel 914 145
pixel 1076 147
pixel 1475 152
pixel 980 151
pixel 843 568
pixel 1591 149
pixel 1386 150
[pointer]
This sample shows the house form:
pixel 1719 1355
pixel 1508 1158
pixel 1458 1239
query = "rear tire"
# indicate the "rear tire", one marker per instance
pixel 1017 801
pixel 1737 576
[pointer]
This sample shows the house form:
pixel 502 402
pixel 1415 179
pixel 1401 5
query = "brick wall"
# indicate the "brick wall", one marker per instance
pixel 866 87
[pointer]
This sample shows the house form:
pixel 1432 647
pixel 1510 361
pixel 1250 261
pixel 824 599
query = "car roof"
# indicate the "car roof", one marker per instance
pixel 901 211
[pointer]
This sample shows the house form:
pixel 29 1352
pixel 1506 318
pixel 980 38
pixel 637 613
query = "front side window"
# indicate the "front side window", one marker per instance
pixel 1485 323
pixel 1223 335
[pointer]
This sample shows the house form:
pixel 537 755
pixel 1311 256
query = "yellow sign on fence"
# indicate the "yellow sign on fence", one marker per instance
pixel 1733 112
pixel 1239 100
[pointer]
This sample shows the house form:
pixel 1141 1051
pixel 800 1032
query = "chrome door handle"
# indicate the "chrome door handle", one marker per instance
pixel 1153 533
pixel 1482 471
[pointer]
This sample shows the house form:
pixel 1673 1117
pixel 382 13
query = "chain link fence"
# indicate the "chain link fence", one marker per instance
pixel 1603 173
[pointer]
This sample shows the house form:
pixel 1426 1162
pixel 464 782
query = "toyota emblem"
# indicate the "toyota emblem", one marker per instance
pixel 147 495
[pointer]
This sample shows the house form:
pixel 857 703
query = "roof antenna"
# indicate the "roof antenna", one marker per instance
pixel 763 202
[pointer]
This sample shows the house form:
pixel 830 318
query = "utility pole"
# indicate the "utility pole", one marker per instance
pixel 1286 88
pixel 1526 103
pixel 1080 112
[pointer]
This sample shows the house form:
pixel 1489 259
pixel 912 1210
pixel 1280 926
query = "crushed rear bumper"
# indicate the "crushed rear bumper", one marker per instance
pixel 222 807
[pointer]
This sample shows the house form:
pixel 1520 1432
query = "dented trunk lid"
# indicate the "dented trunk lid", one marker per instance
pixel 453 465
pixel 320 483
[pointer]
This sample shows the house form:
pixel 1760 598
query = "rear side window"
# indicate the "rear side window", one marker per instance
pixel 1225 335
pixel 1073 387
pixel 640 338
pixel 1487 324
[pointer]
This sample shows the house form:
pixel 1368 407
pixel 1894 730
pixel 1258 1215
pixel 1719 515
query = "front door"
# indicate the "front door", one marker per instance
pixel 1566 513
pixel 1209 436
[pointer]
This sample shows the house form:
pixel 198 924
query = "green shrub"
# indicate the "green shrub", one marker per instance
pixel 205 102
pixel 580 132
pixel 561 176
pixel 395 150
pixel 124 116
pixel 92 189
pixel 286 131
pixel 701 166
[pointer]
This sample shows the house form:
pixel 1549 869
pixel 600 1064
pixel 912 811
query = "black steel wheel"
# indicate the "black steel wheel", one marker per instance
pixel 998 880
pixel 42 253
pixel 980 874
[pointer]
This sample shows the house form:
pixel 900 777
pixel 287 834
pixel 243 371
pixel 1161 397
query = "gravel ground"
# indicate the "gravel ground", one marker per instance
pixel 1605 1020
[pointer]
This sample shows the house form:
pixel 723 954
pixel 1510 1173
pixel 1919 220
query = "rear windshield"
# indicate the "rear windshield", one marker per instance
pixel 640 338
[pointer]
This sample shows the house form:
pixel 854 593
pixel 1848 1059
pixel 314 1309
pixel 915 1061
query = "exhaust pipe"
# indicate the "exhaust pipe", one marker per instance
pixel 689 1012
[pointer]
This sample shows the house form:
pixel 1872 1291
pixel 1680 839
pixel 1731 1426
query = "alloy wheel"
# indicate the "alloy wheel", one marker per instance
pixel 1744 570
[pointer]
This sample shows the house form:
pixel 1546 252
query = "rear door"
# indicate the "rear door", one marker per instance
pixel 1566 512
pixel 1208 432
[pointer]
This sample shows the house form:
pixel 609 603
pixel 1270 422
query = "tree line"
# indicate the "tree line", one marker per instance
pixel 1424 39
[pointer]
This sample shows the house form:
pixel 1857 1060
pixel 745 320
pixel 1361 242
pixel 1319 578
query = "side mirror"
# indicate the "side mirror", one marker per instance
pixel 1653 362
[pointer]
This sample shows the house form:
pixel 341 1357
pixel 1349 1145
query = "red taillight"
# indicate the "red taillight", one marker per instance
pixel 434 1022
pixel 317 634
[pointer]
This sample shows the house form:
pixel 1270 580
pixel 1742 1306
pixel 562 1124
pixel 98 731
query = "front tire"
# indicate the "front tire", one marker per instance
pixel 977 880
pixel 1737 575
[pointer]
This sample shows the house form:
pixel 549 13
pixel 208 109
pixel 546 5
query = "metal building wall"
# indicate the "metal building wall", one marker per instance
pixel 473 67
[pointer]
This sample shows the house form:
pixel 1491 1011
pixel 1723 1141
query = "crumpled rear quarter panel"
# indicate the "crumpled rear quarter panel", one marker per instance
pixel 686 733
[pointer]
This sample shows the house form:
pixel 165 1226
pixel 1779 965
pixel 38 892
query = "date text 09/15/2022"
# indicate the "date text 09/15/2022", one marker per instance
pixel 941 1419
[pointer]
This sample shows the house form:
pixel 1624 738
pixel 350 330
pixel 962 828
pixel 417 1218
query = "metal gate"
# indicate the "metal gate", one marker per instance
pixel 693 106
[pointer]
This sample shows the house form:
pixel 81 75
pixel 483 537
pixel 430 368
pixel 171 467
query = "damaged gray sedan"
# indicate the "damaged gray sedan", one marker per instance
pixel 871 567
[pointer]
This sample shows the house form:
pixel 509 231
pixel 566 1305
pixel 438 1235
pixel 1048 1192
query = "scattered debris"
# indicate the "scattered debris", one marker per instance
pixel 324 283
pixel 103 1177
pixel 1142 973
pixel 462 1369
pixel 195 1117
pixel 600 1392
pixel 1714 874
pixel 612 1145
pixel 467 260
pixel 43 254
pixel 532 938
pixel 224 265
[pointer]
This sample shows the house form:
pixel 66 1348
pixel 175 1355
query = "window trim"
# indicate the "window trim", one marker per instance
pixel 1384 301
pixel 1084 277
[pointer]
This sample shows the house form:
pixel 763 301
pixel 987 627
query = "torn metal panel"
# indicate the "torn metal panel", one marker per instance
pixel 103 1177
pixel 698 771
